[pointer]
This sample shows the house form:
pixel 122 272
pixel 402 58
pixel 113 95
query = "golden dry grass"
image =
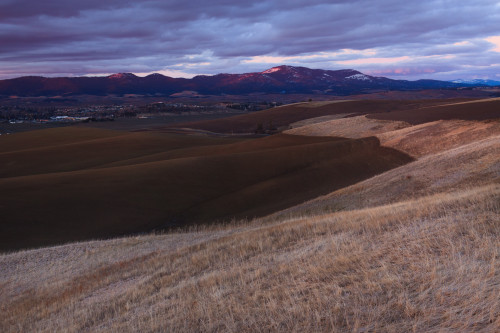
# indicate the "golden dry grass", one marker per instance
pixel 424 265
pixel 353 127
pixel 318 120
pixel 438 136
pixel 417 141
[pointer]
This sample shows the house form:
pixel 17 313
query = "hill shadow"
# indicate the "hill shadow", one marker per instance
pixel 181 183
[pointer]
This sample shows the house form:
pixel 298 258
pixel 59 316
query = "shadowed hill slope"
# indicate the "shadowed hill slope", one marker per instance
pixel 75 148
pixel 94 189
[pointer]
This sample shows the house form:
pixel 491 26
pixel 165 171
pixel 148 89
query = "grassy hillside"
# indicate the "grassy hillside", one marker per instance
pixel 438 136
pixel 417 140
pixel 423 265
pixel 350 127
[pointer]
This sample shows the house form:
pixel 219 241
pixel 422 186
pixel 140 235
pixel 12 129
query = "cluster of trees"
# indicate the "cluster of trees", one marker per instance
pixel 266 128
pixel 174 108
pixel 253 106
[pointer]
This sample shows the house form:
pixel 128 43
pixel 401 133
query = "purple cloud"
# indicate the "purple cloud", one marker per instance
pixel 436 39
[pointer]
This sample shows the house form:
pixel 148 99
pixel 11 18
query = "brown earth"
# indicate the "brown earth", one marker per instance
pixel 472 110
pixel 430 94
pixel 99 184
pixel 75 148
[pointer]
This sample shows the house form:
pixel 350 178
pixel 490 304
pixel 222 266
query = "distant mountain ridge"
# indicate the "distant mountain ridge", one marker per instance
pixel 481 82
pixel 280 79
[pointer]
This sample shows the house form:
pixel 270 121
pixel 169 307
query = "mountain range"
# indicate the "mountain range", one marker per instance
pixel 280 79
pixel 480 82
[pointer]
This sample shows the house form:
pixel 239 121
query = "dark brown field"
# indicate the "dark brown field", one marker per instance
pixel 471 110
pixel 68 184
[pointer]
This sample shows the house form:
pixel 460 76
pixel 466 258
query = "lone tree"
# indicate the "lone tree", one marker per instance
pixel 259 129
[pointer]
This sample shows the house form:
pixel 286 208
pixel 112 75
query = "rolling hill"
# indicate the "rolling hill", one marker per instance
pixel 382 219
pixel 283 116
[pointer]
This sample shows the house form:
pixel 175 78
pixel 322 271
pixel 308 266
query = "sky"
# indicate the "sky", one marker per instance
pixel 436 39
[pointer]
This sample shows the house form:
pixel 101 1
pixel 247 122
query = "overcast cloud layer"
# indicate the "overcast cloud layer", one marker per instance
pixel 445 39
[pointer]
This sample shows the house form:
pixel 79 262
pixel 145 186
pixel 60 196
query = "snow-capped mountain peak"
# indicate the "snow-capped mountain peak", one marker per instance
pixel 361 77
pixel 272 70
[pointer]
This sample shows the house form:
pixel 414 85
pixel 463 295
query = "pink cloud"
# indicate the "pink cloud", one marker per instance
pixel 400 71
pixel 495 40
pixel 368 61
